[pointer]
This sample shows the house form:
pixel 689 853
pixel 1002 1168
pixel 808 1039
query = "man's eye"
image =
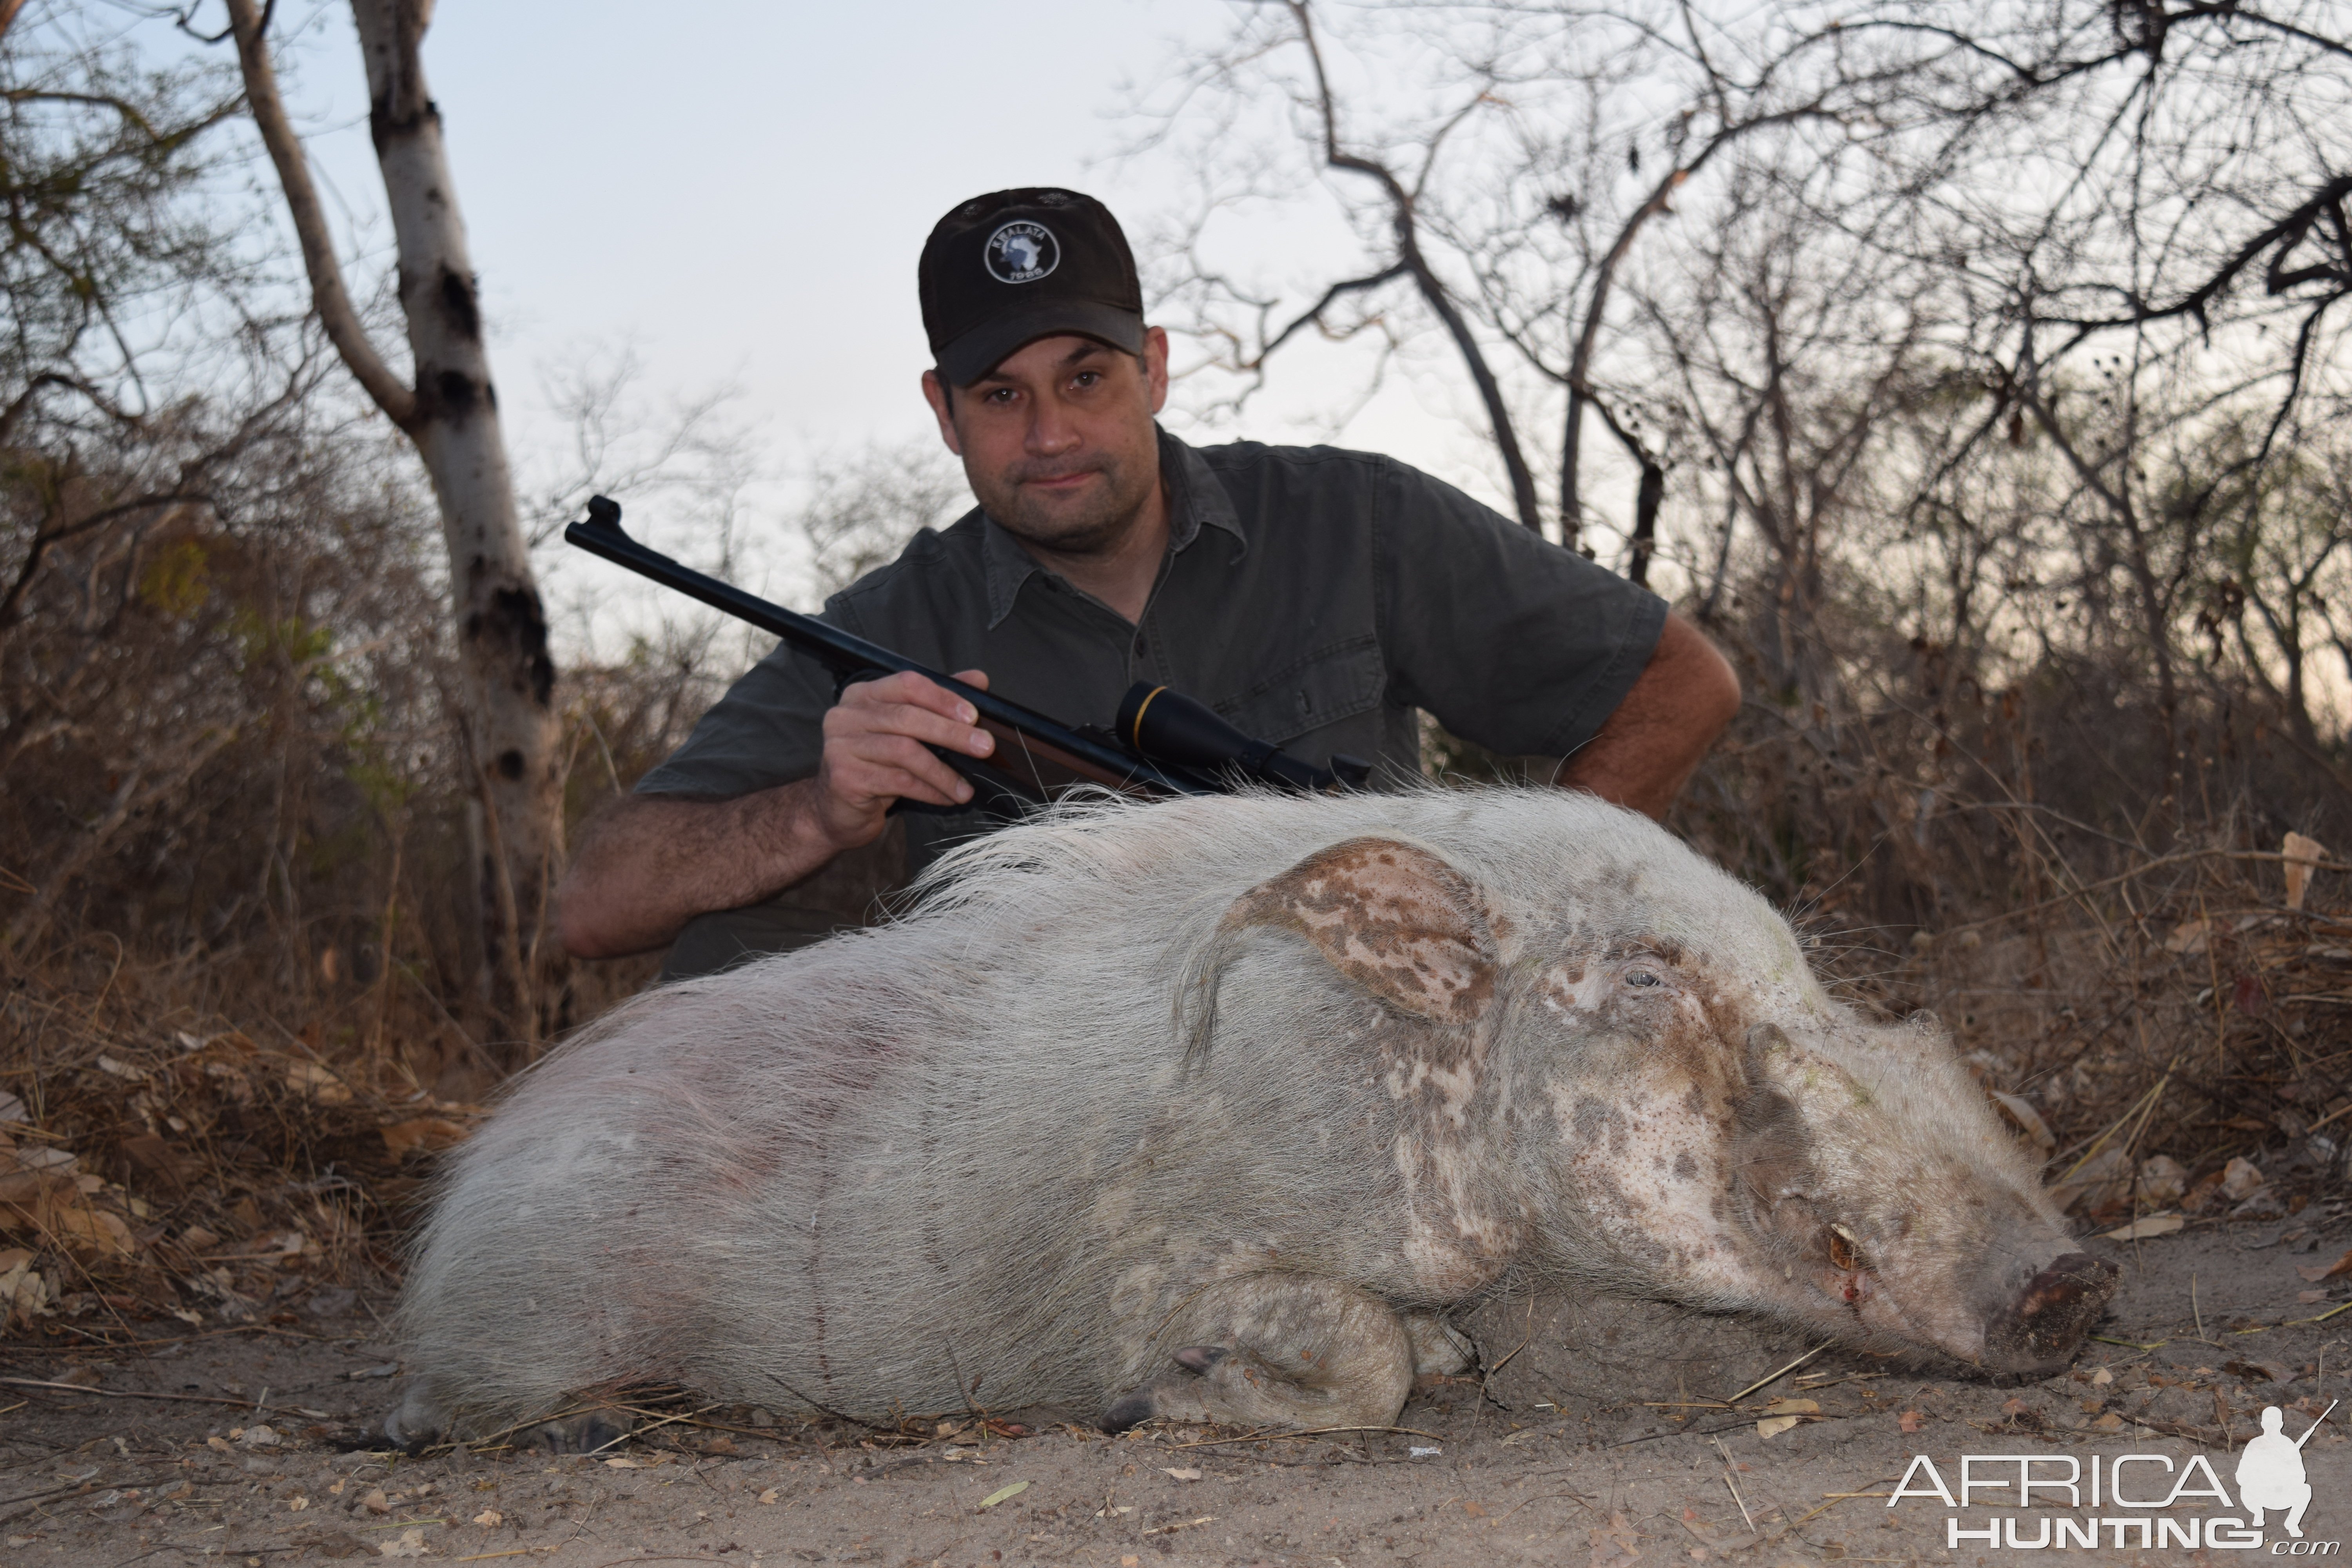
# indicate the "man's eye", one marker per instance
pixel 1085 378
pixel 1640 977
pixel 998 395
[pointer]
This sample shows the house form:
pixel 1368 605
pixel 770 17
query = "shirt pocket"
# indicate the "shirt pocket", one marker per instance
pixel 1327 685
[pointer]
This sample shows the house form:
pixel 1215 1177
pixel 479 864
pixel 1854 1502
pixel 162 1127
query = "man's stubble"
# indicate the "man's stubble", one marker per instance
pixel 1092 523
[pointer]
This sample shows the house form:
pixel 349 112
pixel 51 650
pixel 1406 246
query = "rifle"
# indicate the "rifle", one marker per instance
pixel 1165 744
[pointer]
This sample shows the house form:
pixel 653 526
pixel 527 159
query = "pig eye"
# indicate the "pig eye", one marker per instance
pixel 1640 977
pixel 1843 1254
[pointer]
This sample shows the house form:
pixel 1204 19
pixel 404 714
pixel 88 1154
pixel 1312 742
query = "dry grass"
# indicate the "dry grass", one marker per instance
pixel 164 1151
pixel 2186 1007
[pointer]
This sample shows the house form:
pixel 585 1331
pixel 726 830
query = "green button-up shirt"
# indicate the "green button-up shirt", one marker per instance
pixel 1314 597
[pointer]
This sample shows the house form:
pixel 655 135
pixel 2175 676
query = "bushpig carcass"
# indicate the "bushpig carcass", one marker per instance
pixel 1217 1110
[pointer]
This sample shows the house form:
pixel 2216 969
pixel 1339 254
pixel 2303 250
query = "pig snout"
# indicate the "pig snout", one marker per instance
pixel 2034 1327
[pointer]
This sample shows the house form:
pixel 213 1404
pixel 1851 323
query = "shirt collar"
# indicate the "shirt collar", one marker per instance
pixel 1194 498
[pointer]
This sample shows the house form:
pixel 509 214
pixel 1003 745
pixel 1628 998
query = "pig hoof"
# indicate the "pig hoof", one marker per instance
pixel 413 1423
pixel 582 1434
pixel 2050 1318
pixel 1131 1410
pixel 1439 1349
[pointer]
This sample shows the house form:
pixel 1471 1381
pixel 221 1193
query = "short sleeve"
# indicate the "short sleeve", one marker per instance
pixel 1511 641
pixel 768 730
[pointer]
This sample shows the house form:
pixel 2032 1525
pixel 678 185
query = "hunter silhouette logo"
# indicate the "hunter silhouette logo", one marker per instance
pixel 1022 252
pixel 2145 1500
pixel 2270 1472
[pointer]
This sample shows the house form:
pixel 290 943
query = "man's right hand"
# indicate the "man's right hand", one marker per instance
pixel 648 863
pixel 877 742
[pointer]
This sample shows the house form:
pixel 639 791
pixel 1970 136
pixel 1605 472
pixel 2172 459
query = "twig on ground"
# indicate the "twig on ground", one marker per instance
pixel 1775 1377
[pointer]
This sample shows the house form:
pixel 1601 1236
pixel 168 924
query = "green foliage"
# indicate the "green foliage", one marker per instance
pixel 175 583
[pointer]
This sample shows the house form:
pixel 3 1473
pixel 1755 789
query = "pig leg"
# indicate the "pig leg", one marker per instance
pixel 582 1432
pixel 1439 1349
pixel 1279 1350
pixel 419 1421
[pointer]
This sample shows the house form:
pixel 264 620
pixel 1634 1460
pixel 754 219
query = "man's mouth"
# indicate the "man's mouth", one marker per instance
pixel 1056 483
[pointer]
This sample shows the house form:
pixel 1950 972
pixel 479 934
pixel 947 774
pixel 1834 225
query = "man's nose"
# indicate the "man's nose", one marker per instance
pixel 1051 429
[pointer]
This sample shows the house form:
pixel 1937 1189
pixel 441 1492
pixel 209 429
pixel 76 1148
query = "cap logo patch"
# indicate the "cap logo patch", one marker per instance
pixel 1022 252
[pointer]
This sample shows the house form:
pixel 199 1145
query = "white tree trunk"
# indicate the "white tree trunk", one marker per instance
pixel 501 626
pixel 451 412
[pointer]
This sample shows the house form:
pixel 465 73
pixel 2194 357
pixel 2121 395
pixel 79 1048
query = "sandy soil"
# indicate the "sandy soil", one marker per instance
pixel 1614 1454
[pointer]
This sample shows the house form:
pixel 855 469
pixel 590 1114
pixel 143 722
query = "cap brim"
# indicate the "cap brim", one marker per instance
pixel 984 347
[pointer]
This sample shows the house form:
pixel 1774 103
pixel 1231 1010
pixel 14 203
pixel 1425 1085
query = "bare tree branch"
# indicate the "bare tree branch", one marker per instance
pixel 1432 290
pixel 333 301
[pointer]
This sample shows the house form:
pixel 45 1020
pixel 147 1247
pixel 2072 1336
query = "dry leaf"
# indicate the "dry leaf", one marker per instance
pixel 1793 1407
pixel 2302 857
pixel 63 1212
pixel 2104 1178
pixel 2101 1378
pixel 1910 1420
pixel 2027 1121
pixel 421 1132
pixel 1182 1475
pixel 2141 1229
pixel 1474 1510
pixel 2327 1270
pixel 1001 1493
pixel 318 1083
pixel 1773 1426
pixel 2310 1297
pixel 2013 1405
pixel 623 1465
pixel 2240 1178
pixel 768 1496
pixel 2187 938
pixel 491 1517
pixel 2162 1181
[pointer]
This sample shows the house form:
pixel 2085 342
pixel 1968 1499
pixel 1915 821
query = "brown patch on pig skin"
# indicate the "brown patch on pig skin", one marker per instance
pixel 1393 917
pixel 1416 932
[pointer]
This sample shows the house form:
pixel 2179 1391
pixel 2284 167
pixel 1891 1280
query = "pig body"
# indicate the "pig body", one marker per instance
pixel 1216 1109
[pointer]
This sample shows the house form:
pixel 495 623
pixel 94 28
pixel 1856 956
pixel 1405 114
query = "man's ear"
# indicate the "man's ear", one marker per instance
pixel 1395 919
pixel 935 393
pixel 1155 365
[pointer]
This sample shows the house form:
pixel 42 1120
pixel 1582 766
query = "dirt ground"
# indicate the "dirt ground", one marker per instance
pixel 231 1444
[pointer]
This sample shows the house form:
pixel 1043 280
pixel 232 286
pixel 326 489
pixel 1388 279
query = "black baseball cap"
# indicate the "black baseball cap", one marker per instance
pixel 1012 267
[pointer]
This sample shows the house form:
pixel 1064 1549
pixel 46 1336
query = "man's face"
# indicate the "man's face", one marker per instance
pixel 1057 440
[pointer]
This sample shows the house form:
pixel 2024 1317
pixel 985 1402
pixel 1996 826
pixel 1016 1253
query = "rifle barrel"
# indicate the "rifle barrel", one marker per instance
pixel 1022 734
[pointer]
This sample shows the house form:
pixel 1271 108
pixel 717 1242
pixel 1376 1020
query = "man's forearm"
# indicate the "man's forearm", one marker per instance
pixel 651 863
pixel 1654 742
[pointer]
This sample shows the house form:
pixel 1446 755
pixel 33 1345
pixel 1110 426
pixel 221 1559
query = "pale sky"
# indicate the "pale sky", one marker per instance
pixel 739 192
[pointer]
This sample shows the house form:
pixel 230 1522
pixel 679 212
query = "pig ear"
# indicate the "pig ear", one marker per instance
pixel 1393 917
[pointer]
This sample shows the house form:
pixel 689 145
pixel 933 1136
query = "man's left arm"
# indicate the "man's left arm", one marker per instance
pixel 1648 749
